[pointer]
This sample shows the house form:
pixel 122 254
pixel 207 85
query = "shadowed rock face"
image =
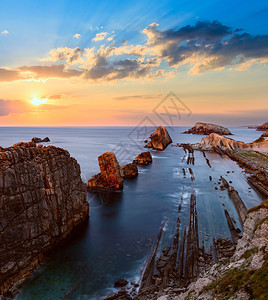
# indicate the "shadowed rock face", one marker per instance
pixel 265 134
pixel 42 200
pixel 160 139
pixel 129 171
pixel 263 127
pixel 144 158
pixel 207 128
pixel 110 176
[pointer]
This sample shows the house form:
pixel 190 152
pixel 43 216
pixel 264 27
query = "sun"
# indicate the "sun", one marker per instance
pixel 37 101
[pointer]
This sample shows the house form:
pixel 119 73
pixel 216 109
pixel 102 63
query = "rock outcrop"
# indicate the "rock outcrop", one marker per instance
pixel 263 127
pixel 207 128
pixel 144 158
pixel 129 171
pixel 160 139
pixel 218 143
pixel 39 140
pixel 110 176
pixel 265 134
pixel 42 201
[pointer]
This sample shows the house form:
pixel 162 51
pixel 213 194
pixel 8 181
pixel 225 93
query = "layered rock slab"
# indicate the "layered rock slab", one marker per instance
pixel 42 201
pixel 143 158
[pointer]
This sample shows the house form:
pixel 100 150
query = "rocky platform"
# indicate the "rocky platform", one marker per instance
pixel 207 128
pixel 42 201
pixel 263 127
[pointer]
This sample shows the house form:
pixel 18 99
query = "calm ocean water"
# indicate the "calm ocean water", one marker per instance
pixel 123 227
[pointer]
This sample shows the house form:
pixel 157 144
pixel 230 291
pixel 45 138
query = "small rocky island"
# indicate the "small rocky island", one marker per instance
pixel 263 127
pixel 42 202
pixel 160 139
pixel 207 128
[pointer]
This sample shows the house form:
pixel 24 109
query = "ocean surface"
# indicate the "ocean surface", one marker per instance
pixel 124 225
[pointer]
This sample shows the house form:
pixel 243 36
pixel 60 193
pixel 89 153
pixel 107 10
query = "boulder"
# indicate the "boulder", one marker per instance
pixel 120 282
pixel 39 140
pixel 160 139
pixel 110 174
pixel 207 128
pixel 129 171
pixel 42 201
pixel 263 127
pixel 144 158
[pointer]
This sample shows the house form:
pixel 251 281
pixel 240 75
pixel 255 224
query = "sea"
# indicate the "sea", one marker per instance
pixel 123 226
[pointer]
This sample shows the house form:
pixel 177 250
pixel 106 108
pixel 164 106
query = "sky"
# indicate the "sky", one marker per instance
pixel 108 63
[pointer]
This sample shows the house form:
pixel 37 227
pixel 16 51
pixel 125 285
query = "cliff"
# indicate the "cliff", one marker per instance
pixel 42 201
pixel 207 128
pixel 160 139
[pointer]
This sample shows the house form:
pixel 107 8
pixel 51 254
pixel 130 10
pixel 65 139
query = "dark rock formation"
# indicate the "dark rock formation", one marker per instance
pixel 120 282
pixel 263 127
pixel 265 134
pixel 207 128
pixel 160 139
pixel 238 203
pixel 110 176
pixel 39 140
pixel 129 171
pixel 144 158
pixel 42 201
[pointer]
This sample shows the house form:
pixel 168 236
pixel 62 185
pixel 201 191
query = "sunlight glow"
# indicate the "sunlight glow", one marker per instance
pixel 37 101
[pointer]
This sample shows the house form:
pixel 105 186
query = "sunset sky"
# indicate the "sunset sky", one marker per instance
pixel 85 63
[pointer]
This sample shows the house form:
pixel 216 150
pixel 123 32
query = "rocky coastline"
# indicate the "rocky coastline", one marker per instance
pixel 42 203
pixel 207 128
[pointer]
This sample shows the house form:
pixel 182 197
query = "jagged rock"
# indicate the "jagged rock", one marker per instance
pixel 263 127
pixel 144 158
pixel 160 139
pixel 42 201
pixel 110 176
pixel 129 171
pixel 120 282
pixel 39 140
pixel 207 128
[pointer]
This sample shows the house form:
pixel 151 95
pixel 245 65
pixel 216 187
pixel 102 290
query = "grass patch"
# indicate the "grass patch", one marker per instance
pixel 260 223
pixel 249 252
pixel 252 154
pixel 259 140
pixel 254 282
pixel 264 204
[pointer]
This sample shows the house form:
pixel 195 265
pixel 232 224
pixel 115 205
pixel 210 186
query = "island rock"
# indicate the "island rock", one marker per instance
pixel 144 158
pixel 207 128
pixel 160 139
pixel 42 201
pixel 110 176
pixel 263 127
pixel 39 140
pixel 129 171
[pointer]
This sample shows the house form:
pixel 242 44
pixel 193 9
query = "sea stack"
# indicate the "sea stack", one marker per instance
pixel 43 201
pixel 207 128
pixel 160 139
pixel 145 158
pixel 110 176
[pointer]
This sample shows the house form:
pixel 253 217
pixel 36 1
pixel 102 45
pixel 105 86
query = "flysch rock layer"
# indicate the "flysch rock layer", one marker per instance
pixel 42 201
pixel 160 139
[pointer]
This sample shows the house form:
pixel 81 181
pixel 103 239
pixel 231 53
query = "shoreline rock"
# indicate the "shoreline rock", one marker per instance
pixel 160 139
pixel 207 128
pixel 129 171
pixel 43 202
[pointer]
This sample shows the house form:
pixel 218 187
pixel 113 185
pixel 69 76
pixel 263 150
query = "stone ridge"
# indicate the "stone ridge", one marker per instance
pixel 42 200
pixel 207 128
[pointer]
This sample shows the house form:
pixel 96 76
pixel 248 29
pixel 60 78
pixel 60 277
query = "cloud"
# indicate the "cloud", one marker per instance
pixel 4 32
pixel 100 36
pixel 55 97
pixel 110 38
pixel 122 98
pixel 77 35
pixel 200 47
pixel 8 107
